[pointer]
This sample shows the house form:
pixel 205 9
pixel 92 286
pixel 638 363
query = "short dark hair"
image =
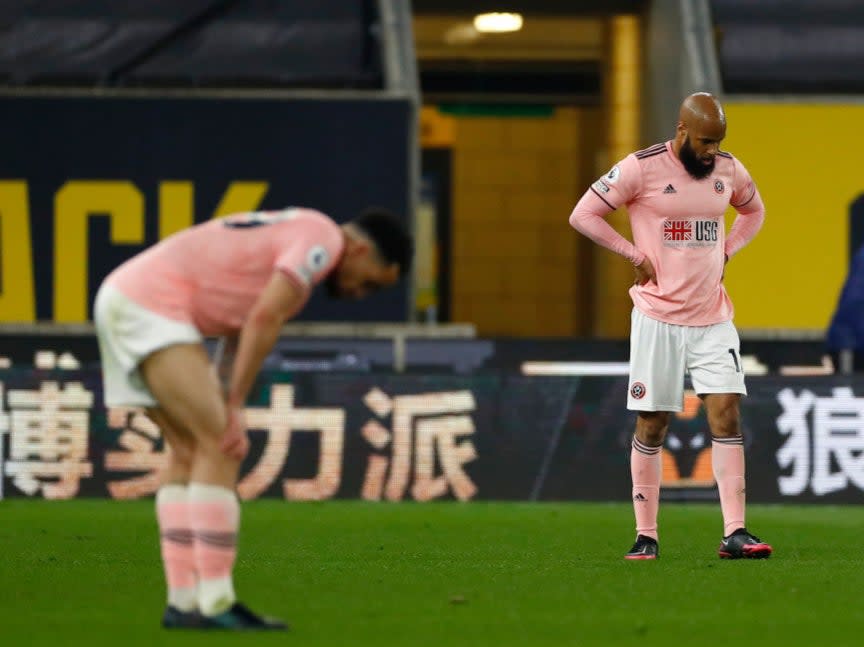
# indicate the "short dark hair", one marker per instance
pixel 389 234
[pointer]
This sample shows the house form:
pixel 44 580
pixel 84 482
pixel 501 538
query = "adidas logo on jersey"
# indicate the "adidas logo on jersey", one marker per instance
pixel 669 189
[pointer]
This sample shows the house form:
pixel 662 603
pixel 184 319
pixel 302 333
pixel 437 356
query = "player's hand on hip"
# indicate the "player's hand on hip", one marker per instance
pixel 644 272
pixel 235 441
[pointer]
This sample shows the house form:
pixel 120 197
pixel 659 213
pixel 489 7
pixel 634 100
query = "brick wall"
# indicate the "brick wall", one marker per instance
pixel 518 267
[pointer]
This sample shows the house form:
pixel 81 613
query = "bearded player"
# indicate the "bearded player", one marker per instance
pixel 676 194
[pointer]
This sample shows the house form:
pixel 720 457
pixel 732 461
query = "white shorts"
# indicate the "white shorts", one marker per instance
pixel 127 334
pixel 660 353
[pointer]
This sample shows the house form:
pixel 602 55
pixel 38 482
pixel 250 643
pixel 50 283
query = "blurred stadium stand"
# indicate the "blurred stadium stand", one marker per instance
pixel 221 43
pixel 791 46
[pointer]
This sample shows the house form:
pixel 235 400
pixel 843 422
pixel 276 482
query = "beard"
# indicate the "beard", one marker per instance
pixel 692 163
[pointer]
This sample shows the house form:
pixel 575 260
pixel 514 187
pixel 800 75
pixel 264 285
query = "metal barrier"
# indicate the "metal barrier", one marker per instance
pixel 23 341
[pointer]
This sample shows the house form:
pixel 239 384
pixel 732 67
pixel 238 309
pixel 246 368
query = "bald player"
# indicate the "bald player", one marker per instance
pixel 241 277
pixel 676 194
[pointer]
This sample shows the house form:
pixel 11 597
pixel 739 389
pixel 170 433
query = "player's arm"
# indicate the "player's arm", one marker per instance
pixel 589 218
pixel 751 212
pixel 602 198
pixel 280 299
pixel 747 224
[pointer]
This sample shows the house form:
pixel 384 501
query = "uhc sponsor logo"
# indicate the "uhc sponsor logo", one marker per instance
pixel 690 233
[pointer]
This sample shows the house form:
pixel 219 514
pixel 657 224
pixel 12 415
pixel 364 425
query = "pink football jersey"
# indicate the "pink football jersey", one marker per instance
pixel 212 273
pixel 678 223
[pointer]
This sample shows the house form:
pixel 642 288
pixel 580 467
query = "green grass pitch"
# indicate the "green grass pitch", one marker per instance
pixel 445 574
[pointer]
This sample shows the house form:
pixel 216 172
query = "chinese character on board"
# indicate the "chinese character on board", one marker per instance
pixel 424 426
pixel 138 439
pixel 827 455
pixel 281 420
pixel 48 435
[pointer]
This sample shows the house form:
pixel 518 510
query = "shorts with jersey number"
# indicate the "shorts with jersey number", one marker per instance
pixel 127 334
pixel 661 353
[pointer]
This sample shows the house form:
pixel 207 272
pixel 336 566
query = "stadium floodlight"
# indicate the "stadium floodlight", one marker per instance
pixel 497 23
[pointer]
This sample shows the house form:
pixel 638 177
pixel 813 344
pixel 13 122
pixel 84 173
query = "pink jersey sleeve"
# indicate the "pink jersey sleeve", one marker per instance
pixel 313 252
pixel 615 189
pixel 751 211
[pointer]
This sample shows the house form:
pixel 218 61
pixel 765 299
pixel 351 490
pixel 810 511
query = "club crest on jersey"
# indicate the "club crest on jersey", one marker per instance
pixel 316 259
pixel 718 186
pixel 690 233
pixel 612 176
pixel 637 390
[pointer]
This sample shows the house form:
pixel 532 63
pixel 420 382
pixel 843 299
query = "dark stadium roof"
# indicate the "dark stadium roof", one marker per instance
pixel 791 46
pixel 326 43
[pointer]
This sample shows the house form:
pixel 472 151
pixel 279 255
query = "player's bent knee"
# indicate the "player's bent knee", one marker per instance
pixel 653 437
pixel 235 447
pixel 725 426
pixel 223 449
pixel 654 421
pixel 724 417
pixel 651 427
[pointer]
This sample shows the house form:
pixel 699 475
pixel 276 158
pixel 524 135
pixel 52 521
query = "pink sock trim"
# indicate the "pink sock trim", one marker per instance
pixel 178 554
pixel 215 526
pixel 646 468
pixel 727 460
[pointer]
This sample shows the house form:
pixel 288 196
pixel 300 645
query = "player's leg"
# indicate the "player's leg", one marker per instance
pixel 727 460
pixel 727 456
pixel 153 362
pixel 178 468
pixel 124 331
pixel 181 379
pixel 183 382
pixel 656 388
pixel 175 525
pixel 646 469
pixel 718 378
